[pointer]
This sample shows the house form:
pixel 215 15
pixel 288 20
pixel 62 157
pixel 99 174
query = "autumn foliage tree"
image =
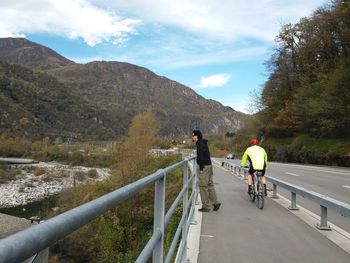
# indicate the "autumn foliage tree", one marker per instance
pixel 121 234
pixel 308 87
pixel 134 151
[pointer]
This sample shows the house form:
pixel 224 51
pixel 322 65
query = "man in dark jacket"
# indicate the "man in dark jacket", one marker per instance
pixel 206 184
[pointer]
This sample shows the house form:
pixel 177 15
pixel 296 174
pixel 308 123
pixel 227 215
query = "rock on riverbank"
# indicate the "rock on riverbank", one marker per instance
pixel 37 181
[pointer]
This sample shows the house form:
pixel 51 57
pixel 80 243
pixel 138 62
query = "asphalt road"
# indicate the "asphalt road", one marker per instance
pixel 327 180
pixel 240 232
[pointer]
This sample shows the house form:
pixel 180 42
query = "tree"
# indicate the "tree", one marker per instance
pixel 134 152
pixel 307 90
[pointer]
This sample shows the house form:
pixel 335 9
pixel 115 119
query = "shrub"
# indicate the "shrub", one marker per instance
pixel 92 173
pixel 6 174
pixel 10 147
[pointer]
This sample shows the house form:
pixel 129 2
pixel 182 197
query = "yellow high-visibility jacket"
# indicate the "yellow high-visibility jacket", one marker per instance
pixel 257 155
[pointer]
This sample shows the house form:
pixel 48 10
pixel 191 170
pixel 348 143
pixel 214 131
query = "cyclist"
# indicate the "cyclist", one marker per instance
pixel 257 158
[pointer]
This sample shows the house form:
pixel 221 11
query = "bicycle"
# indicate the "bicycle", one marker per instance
pixel 258 191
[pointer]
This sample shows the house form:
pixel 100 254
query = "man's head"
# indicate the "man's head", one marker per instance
pixel 196 135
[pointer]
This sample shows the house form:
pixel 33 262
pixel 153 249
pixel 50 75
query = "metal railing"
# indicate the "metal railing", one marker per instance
pixel 23 245
pixel 324 201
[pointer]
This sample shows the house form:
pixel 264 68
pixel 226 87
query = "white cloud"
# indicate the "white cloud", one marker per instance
pixel 217 80
pixel 225 20
pixel 69 18
pixel 212 57
pixel 175 34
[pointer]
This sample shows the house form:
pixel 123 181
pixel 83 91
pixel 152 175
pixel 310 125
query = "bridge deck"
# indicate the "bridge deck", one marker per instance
pixel 240 232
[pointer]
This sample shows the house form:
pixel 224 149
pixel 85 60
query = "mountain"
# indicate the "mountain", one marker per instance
pixel 123 89
pixel 24 52
pixel 37 105
pixel 101 97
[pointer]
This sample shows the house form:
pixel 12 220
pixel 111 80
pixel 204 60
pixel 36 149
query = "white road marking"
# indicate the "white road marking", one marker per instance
pixel 334 172
pixel 346 186
pixel 293 174
pixel 312 168
pixel 207 236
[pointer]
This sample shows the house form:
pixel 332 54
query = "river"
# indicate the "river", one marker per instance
pixel 42 208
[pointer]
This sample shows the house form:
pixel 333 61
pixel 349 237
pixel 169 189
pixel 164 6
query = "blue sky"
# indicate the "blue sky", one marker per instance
pixel 216 47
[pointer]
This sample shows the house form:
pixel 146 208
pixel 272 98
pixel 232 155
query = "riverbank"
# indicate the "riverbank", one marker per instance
pixel 35 182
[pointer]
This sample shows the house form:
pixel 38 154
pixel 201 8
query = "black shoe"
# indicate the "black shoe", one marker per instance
pixel 217 206
pixel 203 209
pixel 250 190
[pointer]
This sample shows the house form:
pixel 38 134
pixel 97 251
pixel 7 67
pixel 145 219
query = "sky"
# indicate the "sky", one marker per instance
pixel 216 47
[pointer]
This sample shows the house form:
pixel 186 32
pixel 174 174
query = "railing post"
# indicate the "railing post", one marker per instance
pixel 244 175
pixel 184 212
pixel 159 209
pixel 274 192
pixel 293 202
pixel 195 171
pixel 194 185
pixel 323 224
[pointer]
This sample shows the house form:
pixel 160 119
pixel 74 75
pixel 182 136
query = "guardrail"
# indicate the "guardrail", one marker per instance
pixel 235 169
pixel 324 201
pixel 23 245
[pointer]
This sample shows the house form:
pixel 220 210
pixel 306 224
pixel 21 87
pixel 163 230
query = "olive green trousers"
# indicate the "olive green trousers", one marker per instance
pixel 206 187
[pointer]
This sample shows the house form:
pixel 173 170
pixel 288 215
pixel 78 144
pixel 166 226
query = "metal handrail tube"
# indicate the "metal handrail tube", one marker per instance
pixel 323 200
pixel 175 240
pixel 172 208
pixel 191 196
pixel 182 222
pixel 189 220
pixel 176 165
pixel 178 230
pixel 182 244
pixel 184 210
pixel 148 249
pixel 38 237
pixel 158 218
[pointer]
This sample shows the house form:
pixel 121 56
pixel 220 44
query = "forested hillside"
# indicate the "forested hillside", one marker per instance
pixel 36 105
pixel 44 94
pixel 303 112
pixel 308 90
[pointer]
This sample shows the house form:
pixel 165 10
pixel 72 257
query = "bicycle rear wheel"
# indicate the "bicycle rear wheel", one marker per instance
pixel 260 195
pixel 252 195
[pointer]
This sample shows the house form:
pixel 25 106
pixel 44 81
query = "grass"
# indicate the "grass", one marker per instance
pixel 7 174
pixel 307 149
pixel 313 144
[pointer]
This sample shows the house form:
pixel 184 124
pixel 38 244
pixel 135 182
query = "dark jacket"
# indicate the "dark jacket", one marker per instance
pixel 203 154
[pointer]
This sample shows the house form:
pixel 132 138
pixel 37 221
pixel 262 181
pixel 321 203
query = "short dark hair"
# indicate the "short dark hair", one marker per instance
pixel 198 134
